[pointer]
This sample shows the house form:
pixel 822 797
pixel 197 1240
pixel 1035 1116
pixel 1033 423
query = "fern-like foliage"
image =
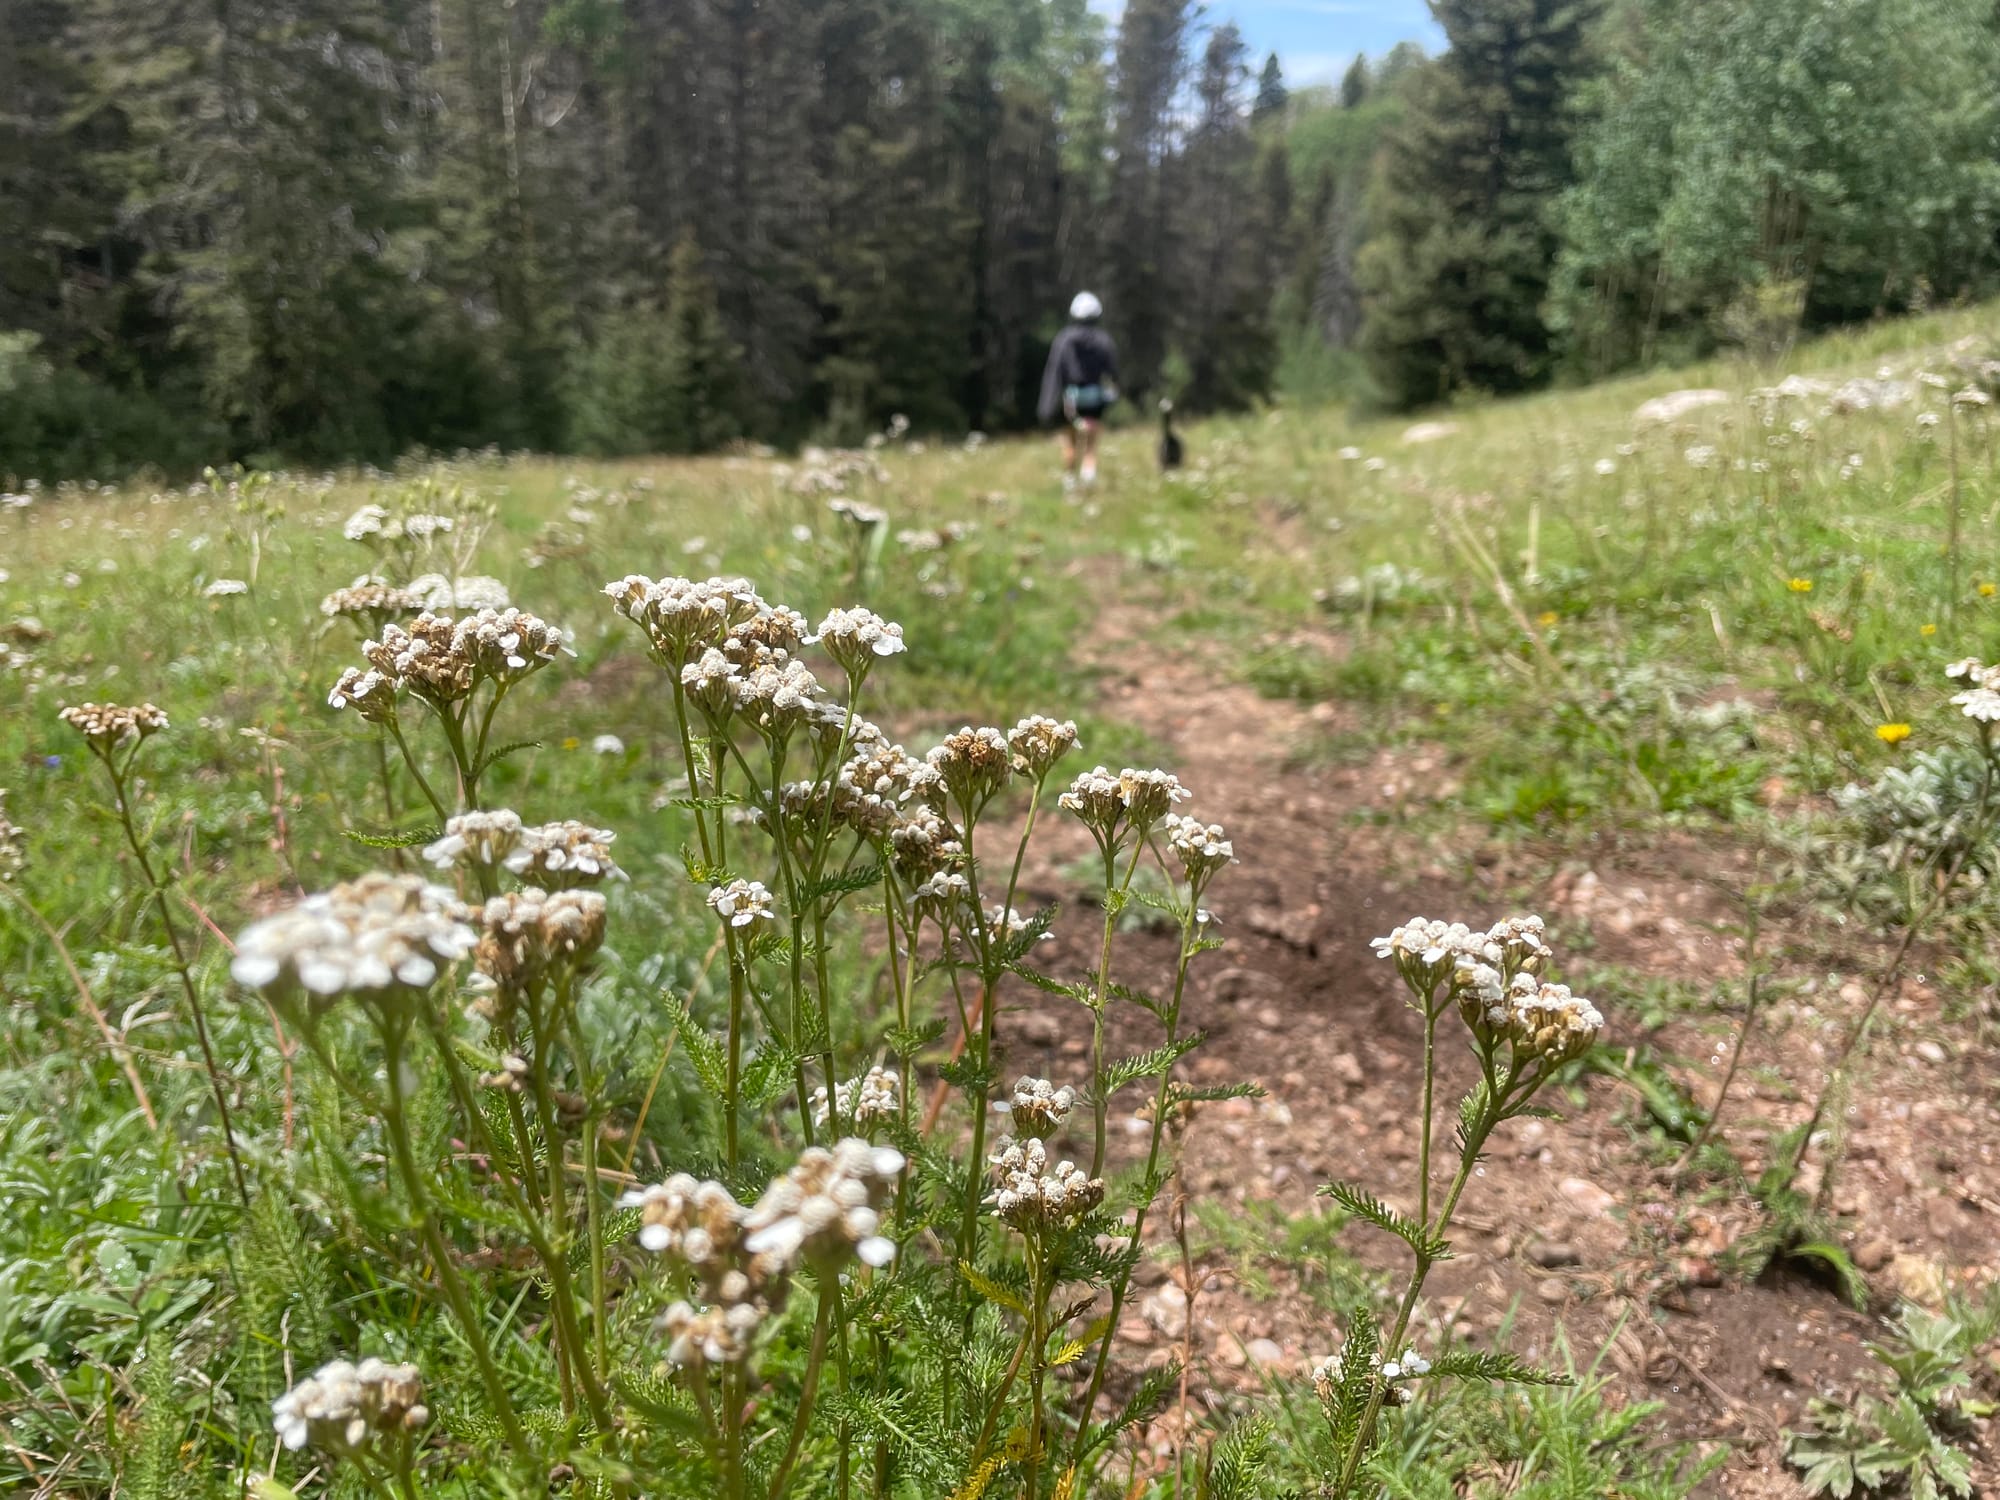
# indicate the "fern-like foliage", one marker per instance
pixel 284 1298
pixel 153 1468
pixel 1366 1206
pixel 1235 1464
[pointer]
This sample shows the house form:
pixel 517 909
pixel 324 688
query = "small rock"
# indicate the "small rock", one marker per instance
pixel 1266 1353
pixel 1552 1290
pixel 1134 1332
pixel 1428 432
pixel 1038 1029
pixel 1677 404
pixel 1919 1280
pixel 1295 929
pixel 1269 1017
pixel 1586 1197
pixel 1699 1270
pixel 1347 1070
pixel 1233 985
pixel 1776 1366
pixel 1166 1310
pixel 1502 1247
pixel 1930 1052
pixel 1549 1254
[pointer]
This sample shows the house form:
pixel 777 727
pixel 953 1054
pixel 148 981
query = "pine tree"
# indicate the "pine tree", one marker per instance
pixel 1458 267
pixel 1141 241
pixel 702 379
pixel 1272 95
pixel 1226 335
pixel 1354 83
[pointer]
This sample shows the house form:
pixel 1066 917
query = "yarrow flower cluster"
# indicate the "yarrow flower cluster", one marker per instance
pixel 371 598
pixel 442 660
pixel 364 523
pixel 379 936
pixel 342 1407
pixel 859 513
pixel 1200 848
pixel 1534 1019
pixel 1330 1373
pixel 1038 1107
pixel 741 902
pixel 564 854
pixel 1430 954
pixel 1010 921
pixel 1130 802
pixel 1037 743
pixel 1980 702
pixel 371 694
pixel 1032 1194
pixel 1495 978
pixel 530 934
pixel 827 1207
pixel 682 617
pixel 475 591
pixel 868 1100
pixel 821 1212
pixel 107 724
pixel 972 764
pixel 939 895
pixel 876 783
pixel 854 637
pixel 923 845
pixel 480 837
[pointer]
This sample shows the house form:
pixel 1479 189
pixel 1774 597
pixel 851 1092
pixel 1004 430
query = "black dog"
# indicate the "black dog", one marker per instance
pixel 1170 442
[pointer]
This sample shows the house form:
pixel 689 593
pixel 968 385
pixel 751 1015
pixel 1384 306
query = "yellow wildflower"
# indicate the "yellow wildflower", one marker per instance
pixel 1547 618
pixel 570 742
pixel 1927 630
pixel 1800 585
pixel 1892 734
pixel 1986 590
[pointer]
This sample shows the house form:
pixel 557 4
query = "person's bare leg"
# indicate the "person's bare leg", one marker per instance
pixel 1090 431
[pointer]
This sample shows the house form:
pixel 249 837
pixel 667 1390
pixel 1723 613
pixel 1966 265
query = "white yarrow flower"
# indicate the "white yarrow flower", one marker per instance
pixel 741 902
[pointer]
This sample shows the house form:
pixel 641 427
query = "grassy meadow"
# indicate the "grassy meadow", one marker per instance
pixel 1607 632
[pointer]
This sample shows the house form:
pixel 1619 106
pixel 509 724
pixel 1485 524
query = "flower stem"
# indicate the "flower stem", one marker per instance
pixel 1365 1433
pixel 417 774
pixel 829 1293
pixel 159 894
pixel 396 1118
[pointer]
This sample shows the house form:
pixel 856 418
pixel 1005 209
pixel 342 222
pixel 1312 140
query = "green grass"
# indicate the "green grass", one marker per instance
pixel 1576 641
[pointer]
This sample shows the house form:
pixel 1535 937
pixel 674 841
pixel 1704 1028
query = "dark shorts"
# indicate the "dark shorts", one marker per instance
pixel 1089 403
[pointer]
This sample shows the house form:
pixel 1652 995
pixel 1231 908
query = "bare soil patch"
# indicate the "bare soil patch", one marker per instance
pixel 1573 1221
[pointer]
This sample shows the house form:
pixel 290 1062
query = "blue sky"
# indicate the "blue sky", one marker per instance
pixel 1316 39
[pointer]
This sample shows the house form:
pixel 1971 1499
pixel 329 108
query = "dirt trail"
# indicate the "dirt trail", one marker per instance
pixel 1569 1220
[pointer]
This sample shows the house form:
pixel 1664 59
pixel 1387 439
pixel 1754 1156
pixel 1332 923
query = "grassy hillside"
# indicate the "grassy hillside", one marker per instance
pixel 1565 632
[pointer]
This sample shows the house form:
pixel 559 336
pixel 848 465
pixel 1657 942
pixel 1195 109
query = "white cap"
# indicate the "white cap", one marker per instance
pixel 1085 307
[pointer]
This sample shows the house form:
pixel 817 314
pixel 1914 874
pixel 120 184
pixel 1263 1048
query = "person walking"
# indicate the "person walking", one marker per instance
pixel 1079 385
